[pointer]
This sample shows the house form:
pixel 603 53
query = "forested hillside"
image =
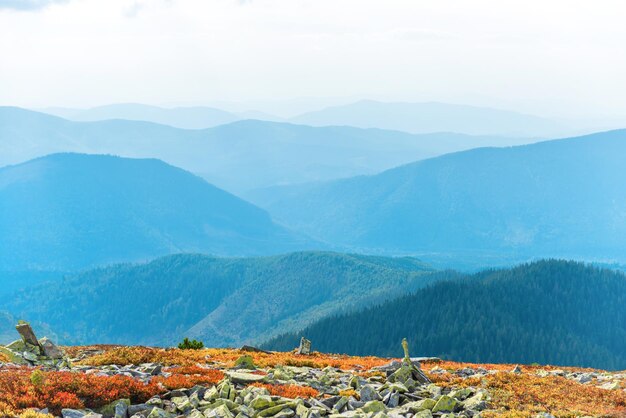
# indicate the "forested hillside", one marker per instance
pixel 223 301
pixel 73 211
pixel 555 312
pixel 557 198
pixel 238 156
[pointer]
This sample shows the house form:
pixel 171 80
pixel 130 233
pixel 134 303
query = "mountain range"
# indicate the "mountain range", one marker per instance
pixel 222 301
pixel 555 198
pixel 239 156
pixel 412 117
pixel 547 312
pixel 71 211
pixel 433 117
pixel 193 117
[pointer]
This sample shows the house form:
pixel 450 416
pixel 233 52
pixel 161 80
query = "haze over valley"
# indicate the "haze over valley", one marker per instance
pixel 248 173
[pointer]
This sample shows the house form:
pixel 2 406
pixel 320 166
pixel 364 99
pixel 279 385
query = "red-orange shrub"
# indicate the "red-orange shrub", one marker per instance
pixel 289 391
pixel 57 390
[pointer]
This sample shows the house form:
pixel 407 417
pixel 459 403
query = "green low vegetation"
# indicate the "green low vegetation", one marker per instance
pixel 188 344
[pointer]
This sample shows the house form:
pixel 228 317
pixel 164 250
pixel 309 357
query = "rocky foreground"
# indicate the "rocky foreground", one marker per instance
pixel 141 382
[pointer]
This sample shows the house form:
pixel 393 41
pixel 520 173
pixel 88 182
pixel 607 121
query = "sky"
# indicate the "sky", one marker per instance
pixel 562 58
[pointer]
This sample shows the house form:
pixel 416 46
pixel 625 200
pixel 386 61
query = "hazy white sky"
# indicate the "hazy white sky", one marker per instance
pixel 552 57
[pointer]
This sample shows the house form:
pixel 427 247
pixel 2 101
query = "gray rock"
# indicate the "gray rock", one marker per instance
pixel 445 404
pixel 368 393
pixel 285 413
pixel 330 402
pixel 30 356
pixel 476 402
pixel 262 402
pixel 245 378
pixel 305 346
pixel 544 415
pixel 389 367
pixel 354 404
pixel 135 409
pixel 341 404
pixel 50 349
pixel 220 412
pixel 73 413
pixel 156 370
pixel 610 386
pixel 121 410
pixel 423 414
pixel 252 349
pixel 182 403
pixel 159 413
pixel 27 334
pixel 393 400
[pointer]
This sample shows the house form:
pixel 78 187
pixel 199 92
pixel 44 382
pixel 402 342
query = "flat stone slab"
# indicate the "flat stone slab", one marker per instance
pixel 239 377
pixel 27 333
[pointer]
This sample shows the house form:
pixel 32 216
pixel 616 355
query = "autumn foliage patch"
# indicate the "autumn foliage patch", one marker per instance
pixel 22 388
pixel 526 394
pixel 289 391
pixel 227 358
pixel 513 395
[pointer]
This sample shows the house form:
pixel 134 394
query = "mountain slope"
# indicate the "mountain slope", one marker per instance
pixel 552 312
pixel 198 117
pixel 69 211
pixel 239 156
pixel 431 117
pixel 223 301
pixel 560 198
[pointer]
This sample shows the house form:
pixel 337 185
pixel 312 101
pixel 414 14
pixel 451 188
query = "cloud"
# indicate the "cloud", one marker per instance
pixel 422 35
pixel 27 4
pixel 134 9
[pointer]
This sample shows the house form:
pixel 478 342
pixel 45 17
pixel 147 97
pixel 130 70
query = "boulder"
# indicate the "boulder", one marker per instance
pixel 26 332
pixel 273 410
pixel 245 362
pixel 368 393
pixel 50 349
pixel 159 413
pixel 117 409
pixel 29 351
pixel 445 404
pixel 476 402
pixel 408 369
pixel 373 406
pixel 13 356
pixel 252 349
pixel 305 346
pixel 245 378
pixel 78 413
pixel 285 413
pixel 220 412
pixel 610 386
pixel 262 402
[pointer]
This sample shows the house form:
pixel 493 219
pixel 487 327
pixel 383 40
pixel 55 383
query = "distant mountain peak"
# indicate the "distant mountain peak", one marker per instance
pixel 70 210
